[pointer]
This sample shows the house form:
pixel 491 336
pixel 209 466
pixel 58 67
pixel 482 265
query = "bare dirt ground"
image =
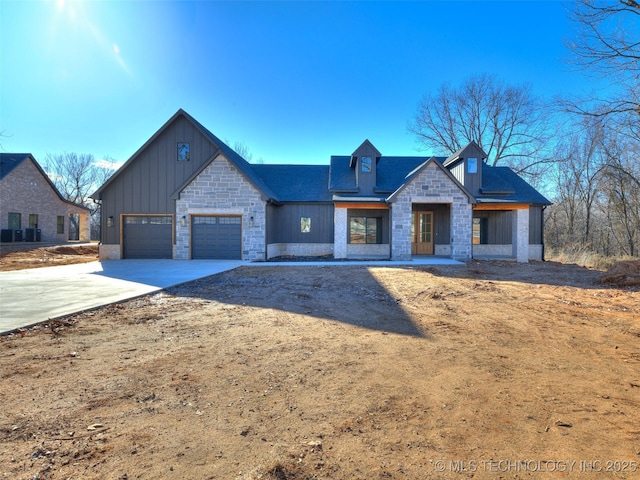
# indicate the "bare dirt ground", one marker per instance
pixel 489 370
pixel 22 256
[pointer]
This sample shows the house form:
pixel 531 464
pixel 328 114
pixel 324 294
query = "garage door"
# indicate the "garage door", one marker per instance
pixel 216 237
pixel 147 236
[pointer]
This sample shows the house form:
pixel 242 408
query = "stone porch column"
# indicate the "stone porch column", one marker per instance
pixel 339 232
pixel 520 234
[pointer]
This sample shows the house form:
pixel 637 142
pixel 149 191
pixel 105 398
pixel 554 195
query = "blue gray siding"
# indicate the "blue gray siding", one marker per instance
pixel 153 176
pixel 283 223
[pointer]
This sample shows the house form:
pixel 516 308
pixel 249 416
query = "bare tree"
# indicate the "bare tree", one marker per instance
pixel 607 44
pixel 507 122
pixel 77 176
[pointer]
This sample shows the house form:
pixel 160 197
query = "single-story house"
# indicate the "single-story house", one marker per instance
pixel 185 194
pixel 31 207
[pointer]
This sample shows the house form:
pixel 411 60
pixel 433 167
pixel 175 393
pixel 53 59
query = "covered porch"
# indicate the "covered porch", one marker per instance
pixel 501 232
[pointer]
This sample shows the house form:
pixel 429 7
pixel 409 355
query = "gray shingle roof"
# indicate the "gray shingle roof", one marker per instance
pixel 503 185
pixel 244 166
pixel 392 172
pixel 342 177
pixel 296 183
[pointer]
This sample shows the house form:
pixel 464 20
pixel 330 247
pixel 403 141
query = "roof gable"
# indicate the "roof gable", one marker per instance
pixel 419 169
pixel 470 150
pixel 240 163
pixel 10 161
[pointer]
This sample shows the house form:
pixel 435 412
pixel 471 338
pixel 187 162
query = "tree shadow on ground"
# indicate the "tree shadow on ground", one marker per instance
pixel 353 296
pixel 538 273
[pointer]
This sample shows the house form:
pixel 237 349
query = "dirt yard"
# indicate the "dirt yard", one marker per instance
pixel 23 256
pixel 490 370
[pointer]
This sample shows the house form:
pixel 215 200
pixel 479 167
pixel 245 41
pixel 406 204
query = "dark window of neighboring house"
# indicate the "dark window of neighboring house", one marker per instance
pixel 33 220
pixel 60 220
pixel 480 231
pixel 365 230
pixel 184 152
pixel 15 221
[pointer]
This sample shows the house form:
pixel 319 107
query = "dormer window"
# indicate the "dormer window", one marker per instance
pixel 472 165
pixel 366 164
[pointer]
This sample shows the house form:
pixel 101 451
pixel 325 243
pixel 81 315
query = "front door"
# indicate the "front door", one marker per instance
pixel 422 233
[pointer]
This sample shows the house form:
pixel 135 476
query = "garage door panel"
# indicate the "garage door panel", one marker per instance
pixel 216 237
pixel 147 237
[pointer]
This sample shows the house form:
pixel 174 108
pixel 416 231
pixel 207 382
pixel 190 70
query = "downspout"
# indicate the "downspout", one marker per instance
pixel 99 202
pixel 544 207
pixel 390 229
pixel 266 228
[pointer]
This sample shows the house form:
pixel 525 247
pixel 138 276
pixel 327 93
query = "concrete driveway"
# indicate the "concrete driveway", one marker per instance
pixel 32 296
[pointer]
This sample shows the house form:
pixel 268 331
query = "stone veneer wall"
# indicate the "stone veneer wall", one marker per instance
pixel 25 191
pixel 363 250
pixel 432 185
pixel 506 250
pixel 340 233
pixel 221 189
pixel 109 252
pixel 299 249
pixel 520 234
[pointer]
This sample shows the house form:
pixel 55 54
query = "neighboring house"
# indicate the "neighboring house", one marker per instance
pixel 32 206
pixel 186 195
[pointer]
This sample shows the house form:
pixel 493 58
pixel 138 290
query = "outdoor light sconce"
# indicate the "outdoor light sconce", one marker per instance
pixel 109 221
pixel 251 222
pixel 183 221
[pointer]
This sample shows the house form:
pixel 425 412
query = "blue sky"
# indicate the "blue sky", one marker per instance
pixel 294 81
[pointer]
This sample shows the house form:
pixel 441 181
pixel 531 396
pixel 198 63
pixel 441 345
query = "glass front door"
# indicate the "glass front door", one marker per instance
pixel 422 233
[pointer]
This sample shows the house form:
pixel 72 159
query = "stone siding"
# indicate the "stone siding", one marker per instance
pixel 535 252
pixel 109 252
pixel 25 191
pixel 299 249
pixel 520 234
pixel 506 250
pixel 340 232
pixel 364 250
pixel 432 185
pixel 221 189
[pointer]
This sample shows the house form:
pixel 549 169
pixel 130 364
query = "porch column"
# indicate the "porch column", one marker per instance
pixel 339 232
pixel 520 234
pixel 401 230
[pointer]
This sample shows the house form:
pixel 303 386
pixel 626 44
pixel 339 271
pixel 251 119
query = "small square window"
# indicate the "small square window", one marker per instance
pixel 305 224
pixel 184 152
pixel 366 164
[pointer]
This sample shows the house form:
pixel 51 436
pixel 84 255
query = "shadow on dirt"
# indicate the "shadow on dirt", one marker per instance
pixel 538 273
pixel 353 297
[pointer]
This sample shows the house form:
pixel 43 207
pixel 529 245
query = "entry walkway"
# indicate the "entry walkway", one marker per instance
pixel 28 297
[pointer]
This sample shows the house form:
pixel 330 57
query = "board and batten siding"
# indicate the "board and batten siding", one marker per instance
pixel 499 223
pixel 148 182
pixel 536 219
pixel 283 223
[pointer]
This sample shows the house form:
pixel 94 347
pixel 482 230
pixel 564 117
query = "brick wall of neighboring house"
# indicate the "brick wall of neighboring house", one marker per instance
pixel 432 185
pixel 221 189
pixel 25 191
